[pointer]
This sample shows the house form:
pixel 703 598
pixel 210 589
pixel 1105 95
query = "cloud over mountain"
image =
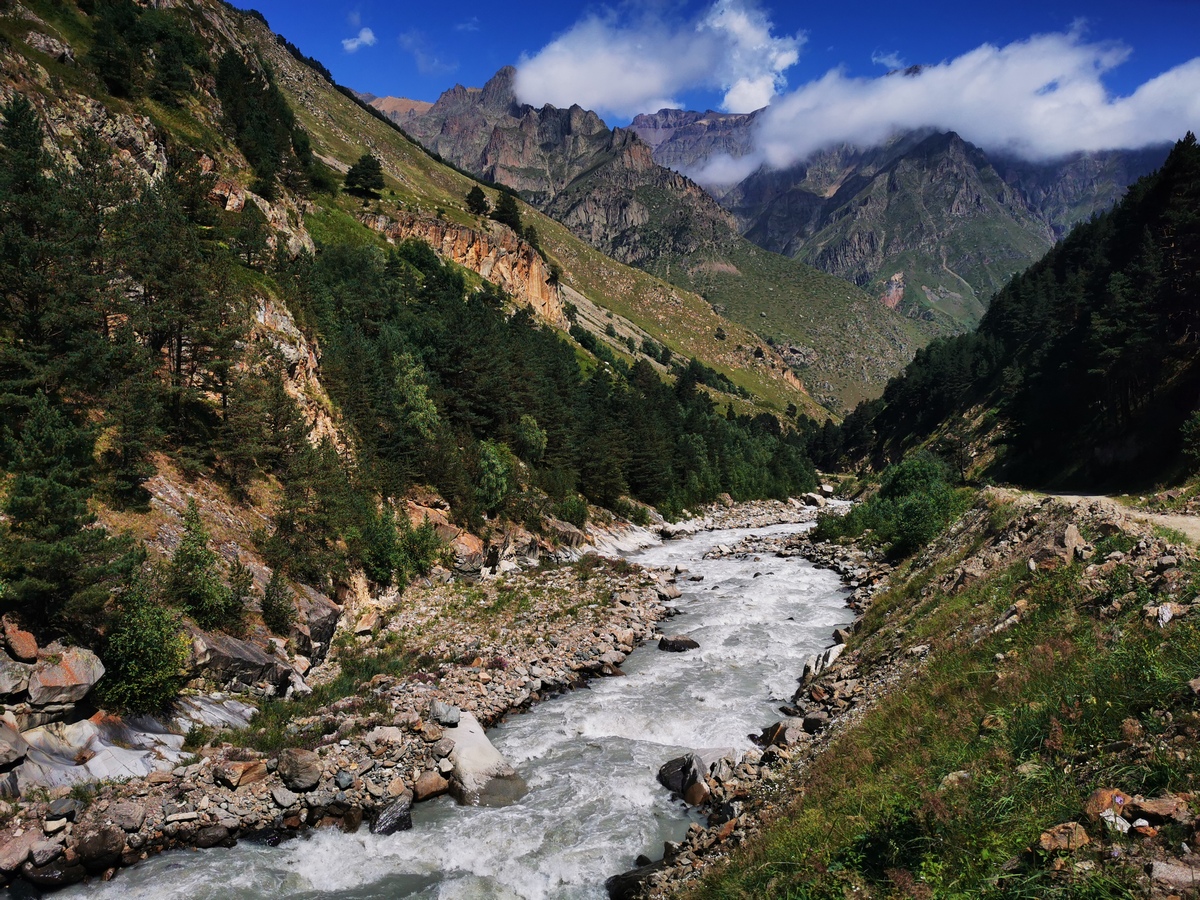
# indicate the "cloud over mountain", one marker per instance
pixel 626 67
pixel 1038 98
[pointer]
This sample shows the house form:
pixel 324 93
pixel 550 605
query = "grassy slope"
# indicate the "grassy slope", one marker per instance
pixel 1073 698
pixel 859 342
pixel 683 321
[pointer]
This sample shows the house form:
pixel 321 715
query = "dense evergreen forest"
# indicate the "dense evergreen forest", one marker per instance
pixel 126 343
pixel 1089 359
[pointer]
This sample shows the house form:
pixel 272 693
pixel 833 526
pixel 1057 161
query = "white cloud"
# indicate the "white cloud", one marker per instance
pixel 364 38
pixel 890 60
pixel 621 64
pixel 1038 98
pixel 354 18
pixel 471 24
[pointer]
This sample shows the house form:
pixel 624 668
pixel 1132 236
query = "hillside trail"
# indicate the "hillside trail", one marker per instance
pixel 1187 525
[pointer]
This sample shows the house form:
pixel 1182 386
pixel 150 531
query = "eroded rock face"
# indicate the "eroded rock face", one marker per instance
pixel 65 676
pixel 498 255
pixel 226 659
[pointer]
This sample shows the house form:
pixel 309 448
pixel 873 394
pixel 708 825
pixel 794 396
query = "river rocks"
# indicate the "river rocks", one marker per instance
pixel 44 852
pixel 300 770
pixel 784 733
pixel 478 766
pixel 16 850
pixel 128 816
pixel 101 848
pixel 816 721
pixel 429 784
pixel 57 874
pixel 64 676
pixel 677 644
pixel 396 816
pixel 284 798
pixel 444 713
pixel 236 774
pixel 629 885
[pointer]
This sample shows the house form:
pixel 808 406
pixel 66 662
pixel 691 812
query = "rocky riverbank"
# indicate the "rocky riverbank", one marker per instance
pixel 381 729
pixel 836 690
pixel 470 652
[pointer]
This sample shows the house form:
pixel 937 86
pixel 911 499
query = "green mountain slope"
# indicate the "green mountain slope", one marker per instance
pixel 606 187
pixel 1088 362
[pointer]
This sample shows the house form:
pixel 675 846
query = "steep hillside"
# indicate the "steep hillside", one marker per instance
pixel 1085 369
pixel 260 369
pixel 606 187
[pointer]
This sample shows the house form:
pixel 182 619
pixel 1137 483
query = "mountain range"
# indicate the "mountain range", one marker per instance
pixel 605 185
pixel 927 223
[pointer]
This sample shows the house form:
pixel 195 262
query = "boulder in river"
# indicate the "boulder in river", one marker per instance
pixel 677 644
pixel 629 885
pixel 482 775
pixel 396 816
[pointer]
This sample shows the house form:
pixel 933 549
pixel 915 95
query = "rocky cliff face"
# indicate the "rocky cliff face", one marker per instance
pixel 604 184
pixel 498 255
pixel 684 140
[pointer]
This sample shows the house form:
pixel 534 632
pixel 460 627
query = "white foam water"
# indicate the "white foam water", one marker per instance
pixel 589 757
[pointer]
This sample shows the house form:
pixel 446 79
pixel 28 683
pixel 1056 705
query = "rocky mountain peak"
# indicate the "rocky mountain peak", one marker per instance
pixel 498 93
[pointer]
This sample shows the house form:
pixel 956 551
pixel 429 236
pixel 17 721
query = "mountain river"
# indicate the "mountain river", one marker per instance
pixel 589 757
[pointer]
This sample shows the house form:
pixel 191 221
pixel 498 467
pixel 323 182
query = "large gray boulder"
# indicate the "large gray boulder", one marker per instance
pixel 226 659
pixel 482 775
pixel 300 770
pixel 65 676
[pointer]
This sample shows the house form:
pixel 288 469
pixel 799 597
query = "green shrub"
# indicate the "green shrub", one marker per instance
pixel 914 505
pixel 572 509
pixel 144 655
pixel 634 512
pixel 495 475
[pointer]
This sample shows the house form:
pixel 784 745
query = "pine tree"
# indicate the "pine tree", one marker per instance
pixel 56 567
pixel 193 578
pixel 477 202
pixel 365 177
pixel 507 212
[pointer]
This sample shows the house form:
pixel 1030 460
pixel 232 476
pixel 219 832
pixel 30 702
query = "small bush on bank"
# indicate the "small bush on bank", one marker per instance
pixel 144 655
pixel 915 503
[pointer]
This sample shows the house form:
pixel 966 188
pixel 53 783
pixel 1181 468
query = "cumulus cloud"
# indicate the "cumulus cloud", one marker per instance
pixel 471 24
pixel 625 64
pixel 364 38
pixel 1039 98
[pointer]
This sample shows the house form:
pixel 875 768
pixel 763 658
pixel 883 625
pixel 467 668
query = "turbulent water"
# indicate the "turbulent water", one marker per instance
pixel 589 757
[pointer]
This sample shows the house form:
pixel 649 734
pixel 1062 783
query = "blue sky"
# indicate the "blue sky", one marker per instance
pixel 807 61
